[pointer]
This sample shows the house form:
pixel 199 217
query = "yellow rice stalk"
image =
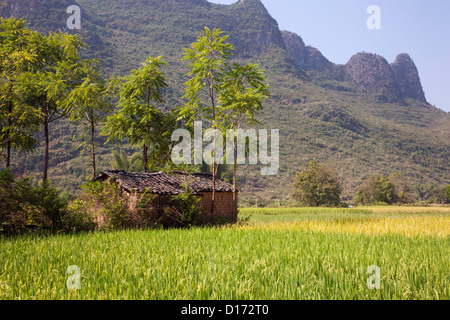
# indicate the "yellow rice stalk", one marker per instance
pixel 408 226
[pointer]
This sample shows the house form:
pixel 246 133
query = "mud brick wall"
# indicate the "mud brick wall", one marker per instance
pixel 223 203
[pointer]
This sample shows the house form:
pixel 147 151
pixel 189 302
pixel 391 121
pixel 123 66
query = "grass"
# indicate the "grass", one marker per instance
pixel 303 213
pixel 295 214
pixel 406 221
pixel 311 257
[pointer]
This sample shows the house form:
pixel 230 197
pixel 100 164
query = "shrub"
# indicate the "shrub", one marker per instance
pixel 177 211
pixel 377 190
pixel 79 217
pixel 439 195
pixel 25 207
pixel 342 205
pixel 117 210
pixel 53 206
pixel 317 185
pixel 13 214
pixel 111 204
pixel 186 206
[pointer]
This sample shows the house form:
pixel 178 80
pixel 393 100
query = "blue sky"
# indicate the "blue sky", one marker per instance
pixel 338 29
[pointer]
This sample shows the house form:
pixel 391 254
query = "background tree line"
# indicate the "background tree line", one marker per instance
pixel 320 185
pixel 44 78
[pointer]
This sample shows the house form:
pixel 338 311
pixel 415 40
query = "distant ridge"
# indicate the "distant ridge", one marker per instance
pixel 369 72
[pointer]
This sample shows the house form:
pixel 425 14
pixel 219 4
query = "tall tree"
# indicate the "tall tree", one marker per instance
pixel 207 59
pixel 138 120
pixel 243 92
pixel 223 93
pixel 57 72
pixel 18 121
pixel 90 103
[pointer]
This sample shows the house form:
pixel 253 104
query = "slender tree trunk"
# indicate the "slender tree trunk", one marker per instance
pixel 211 95
pixel 8 135
pixel 46 134
pixel 147 99
pixel 94 169
pixel 235 151
pixel 145 158
pixel 8 154
pixel 214 178
pixel 234 183
pixel 46 154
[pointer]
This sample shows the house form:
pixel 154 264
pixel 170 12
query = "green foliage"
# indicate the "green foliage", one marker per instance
pixel 439 195
pixel 377 190
pixel 138 120
pixel 25 206
pixel 403 190
pixel 242 94
pixel 186 205
pixel 117 210
pixel 90 104
pixel 122 162
pixel 447 192
pixel 79 217
pixel 177 211
pixel 112 213
pixel 16 204
pixel 18 121
pixel 46 69
pixel 56 72
pixel 317 185
pixel 234 92
pixel 54 207
pixel 424 191
pixel 208 58
pixel 388 193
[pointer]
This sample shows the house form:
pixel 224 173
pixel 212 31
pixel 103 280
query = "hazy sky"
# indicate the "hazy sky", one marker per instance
pixel 338 28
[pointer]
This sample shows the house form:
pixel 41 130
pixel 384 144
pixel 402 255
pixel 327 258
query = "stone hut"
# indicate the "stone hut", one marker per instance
pixel 173 183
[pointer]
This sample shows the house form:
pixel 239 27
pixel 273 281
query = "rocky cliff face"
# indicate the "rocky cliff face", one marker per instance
pixel 407 77
pixel 306 57
pixel 263 31
pixel 371 73
pixel 295 47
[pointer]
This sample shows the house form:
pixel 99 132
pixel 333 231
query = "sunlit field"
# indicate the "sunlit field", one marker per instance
pixel 433 222
pixel 279 253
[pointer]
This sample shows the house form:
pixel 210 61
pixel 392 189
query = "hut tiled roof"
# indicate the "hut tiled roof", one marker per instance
pixel 165 183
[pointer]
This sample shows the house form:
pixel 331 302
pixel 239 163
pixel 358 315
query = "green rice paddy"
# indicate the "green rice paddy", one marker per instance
pixel 282 253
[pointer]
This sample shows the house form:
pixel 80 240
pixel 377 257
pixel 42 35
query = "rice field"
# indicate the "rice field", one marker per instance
pixel 275 254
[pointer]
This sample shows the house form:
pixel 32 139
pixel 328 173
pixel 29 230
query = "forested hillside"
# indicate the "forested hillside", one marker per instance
pixel 367 117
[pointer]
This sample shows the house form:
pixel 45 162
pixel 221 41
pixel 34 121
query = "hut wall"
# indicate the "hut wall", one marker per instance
pixel 223 203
